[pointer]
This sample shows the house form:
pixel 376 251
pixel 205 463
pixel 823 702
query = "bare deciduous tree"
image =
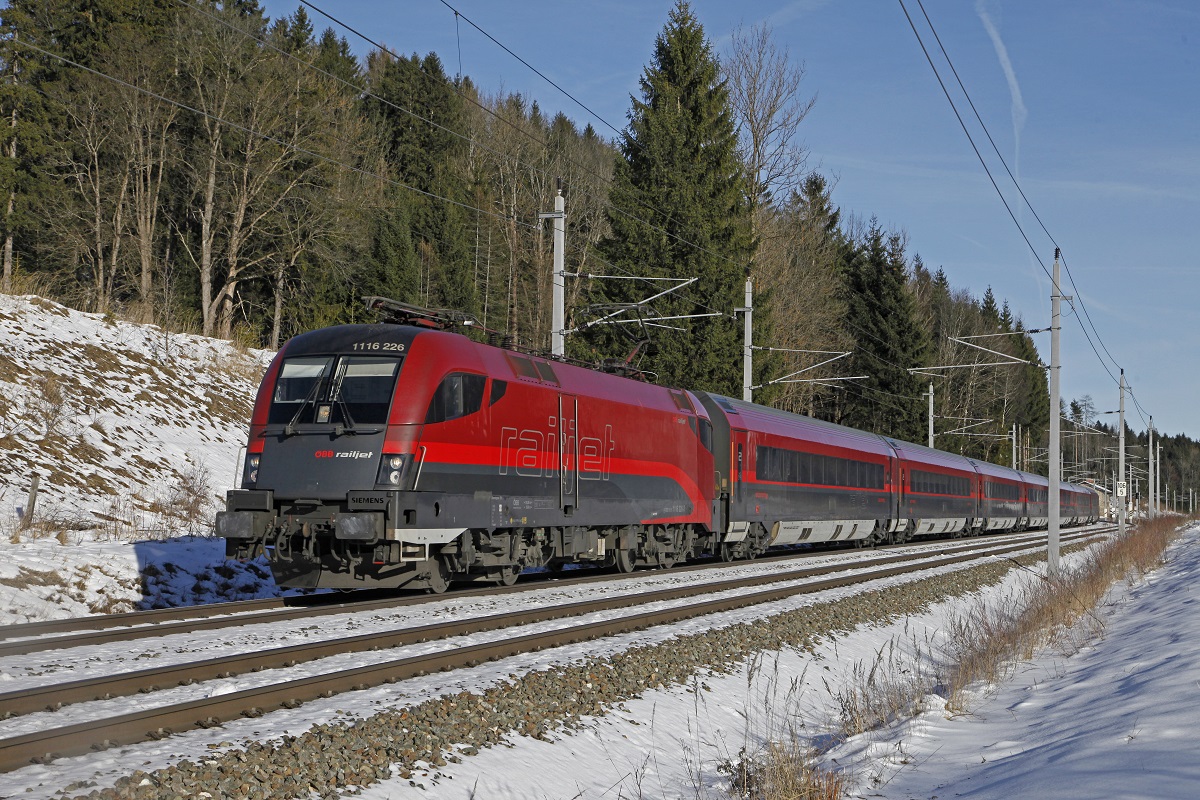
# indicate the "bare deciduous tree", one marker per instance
pixel 768 106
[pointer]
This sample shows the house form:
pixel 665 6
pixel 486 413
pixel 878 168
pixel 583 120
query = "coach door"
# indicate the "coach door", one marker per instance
pixel 740 456
pixel 568 453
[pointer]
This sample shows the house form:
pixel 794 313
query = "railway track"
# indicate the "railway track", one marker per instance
pixel 27 638
pixel 78 738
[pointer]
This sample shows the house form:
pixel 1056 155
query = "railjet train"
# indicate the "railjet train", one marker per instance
pixel 405 455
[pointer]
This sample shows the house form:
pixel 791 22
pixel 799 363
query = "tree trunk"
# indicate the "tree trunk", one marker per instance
pixel 206 237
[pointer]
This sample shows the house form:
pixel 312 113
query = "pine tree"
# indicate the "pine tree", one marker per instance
pixel 991 312
pixel 889 342
pixel 334 56
pixel 27 127
pixel 680 210
pixel 420 114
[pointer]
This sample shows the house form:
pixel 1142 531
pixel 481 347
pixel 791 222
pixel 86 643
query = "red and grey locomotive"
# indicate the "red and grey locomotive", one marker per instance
pixel 401 454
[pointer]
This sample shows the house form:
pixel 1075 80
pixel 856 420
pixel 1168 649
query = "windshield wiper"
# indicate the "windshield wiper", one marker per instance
pixel 347 425
pixel 290 428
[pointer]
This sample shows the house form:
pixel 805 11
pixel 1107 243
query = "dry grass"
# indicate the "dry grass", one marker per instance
pixel 891 687
pixel 778 760
pixel 985 641
pixel 784 771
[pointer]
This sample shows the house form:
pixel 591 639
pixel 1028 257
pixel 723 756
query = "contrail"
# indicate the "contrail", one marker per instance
pixel 1019 113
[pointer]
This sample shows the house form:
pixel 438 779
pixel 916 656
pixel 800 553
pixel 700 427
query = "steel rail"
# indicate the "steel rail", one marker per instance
pixel 125 729
pixel 149 617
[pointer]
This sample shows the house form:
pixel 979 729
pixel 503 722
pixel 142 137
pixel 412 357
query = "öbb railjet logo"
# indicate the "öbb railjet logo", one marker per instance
pixel 347 454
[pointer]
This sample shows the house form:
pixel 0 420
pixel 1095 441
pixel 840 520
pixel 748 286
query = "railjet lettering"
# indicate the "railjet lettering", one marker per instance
pixel 348 454
pixel 534 453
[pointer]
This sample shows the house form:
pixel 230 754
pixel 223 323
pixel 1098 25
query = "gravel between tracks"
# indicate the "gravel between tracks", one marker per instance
pixel 329 759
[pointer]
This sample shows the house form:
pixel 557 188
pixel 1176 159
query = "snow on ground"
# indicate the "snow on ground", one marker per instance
pixel 1116 720
pixel 133 434
pixel 43 579
pixel 664 744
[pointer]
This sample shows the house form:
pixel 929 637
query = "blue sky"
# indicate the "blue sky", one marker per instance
pixel 1105 141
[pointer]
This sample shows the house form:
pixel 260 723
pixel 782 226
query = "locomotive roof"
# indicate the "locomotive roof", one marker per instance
pixel 342 337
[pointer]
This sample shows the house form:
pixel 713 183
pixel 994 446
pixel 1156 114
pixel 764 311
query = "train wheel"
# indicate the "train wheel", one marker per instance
pixel 439 576
pixel 678 543
pixel 625 560
pixel 730 552
pixel 507 576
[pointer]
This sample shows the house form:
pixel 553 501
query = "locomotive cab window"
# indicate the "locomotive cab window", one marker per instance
pixel 457 396
pixel 335 390
pixel 499 387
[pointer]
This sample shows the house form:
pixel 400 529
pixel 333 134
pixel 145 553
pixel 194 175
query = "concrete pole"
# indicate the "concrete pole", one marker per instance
pixel 1150 510
pixel 1121 461
pixel 1014 457
pixel 748 355
pixel 558 322
pixel 1055 455
pixel 931 413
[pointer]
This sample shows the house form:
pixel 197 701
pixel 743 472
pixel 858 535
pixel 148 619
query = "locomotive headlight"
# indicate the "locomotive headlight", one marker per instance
pixel 250 473
pixel 391 471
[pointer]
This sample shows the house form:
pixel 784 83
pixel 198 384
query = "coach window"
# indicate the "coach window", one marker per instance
pixel 458 395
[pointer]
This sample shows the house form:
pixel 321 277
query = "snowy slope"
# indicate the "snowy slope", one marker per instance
pixel 134 435
pixel 118 420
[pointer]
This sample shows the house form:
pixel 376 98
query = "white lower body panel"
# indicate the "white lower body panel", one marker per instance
pixel 805 531
pixel 940 525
